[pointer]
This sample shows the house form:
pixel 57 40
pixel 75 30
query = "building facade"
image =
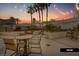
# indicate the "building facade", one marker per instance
pixel 7 24
pixel 68 23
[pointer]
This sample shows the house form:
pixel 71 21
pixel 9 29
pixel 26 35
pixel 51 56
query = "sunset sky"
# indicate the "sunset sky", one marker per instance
pixel 61 11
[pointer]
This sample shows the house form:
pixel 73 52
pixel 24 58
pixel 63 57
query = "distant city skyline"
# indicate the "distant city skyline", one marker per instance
pixel 57 11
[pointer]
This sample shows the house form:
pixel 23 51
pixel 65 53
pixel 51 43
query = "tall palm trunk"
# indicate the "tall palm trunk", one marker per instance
pixel 31 21
pixel 42 20
pixel 42 16
pixel 46 17
pixel 39 16
pixel 17 22
pixel 46 13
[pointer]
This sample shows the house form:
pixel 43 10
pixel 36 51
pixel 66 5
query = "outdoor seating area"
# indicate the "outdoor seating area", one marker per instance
pixel 36 44
pixel 41 29
pixel 72 35
pixel 17 41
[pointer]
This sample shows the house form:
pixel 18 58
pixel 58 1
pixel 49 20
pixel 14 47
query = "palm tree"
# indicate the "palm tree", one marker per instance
pixel 37 9
pixel 41 7
pixel 34 20
pixel 47 5
pixel 17 20
pixel 30 11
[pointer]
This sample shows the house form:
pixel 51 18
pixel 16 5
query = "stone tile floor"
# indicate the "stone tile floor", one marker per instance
pixel 51 47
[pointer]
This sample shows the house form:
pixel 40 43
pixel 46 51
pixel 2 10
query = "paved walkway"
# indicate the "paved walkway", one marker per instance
pixel 52 47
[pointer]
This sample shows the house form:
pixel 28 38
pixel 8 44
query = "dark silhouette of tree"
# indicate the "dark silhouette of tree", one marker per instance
pixel 47 5
pixel 52 27
pixel 12 18
pixel 38 7
pixel 30 11
pixel 17 20
pixel 34 20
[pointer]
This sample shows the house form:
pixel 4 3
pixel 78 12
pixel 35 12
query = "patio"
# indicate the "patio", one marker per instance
pixel 51 46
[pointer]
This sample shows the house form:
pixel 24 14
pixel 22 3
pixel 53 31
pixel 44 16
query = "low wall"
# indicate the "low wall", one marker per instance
pixel 56 35
pixel 12 33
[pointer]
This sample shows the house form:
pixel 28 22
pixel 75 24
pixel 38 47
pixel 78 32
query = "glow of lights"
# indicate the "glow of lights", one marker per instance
pixel 15 7
pixel 60 11
pixel 24 6
pixel 67 12
pixel 77 7
pixel 55 17
pixel 71 11
pixel 54 6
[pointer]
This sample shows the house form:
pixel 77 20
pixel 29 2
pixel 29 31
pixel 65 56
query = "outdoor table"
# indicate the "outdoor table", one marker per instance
pixel 19 37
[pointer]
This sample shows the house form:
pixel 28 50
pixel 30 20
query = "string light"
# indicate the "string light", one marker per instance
pixel 24 6
pixel 77 7
pixel 71 11
pixel 15 7
pixel 60 11
pixel 67 12
pixel 54 6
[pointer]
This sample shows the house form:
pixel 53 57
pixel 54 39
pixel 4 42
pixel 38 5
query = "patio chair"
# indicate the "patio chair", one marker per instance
pixel 11 44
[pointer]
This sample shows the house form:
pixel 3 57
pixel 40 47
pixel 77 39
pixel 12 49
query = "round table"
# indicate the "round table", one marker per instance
pixel 25 38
